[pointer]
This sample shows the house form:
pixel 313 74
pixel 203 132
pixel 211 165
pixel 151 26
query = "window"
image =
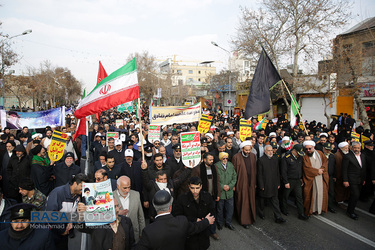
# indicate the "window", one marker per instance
pixel 199 71
pixel 178 71
pixel 180 82
pixel 247 64
pixel 190 71
pixel 199 79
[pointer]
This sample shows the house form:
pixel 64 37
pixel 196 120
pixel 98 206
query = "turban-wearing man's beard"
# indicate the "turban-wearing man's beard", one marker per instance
pixel 310 153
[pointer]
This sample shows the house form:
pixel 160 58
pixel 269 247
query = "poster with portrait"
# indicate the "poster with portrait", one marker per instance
pixel 98 198
pixel 190 149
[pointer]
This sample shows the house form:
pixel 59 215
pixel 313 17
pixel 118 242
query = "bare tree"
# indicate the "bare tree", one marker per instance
pixel 291 30
pixel 19 86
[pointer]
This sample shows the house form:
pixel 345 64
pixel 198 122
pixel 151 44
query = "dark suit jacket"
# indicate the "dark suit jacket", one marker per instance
pixel 351 170
pixel 168 232
pixel 102 236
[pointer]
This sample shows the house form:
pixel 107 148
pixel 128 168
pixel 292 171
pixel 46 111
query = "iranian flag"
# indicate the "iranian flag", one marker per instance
pixel 261 125
pixel 119 87
pixel 101 75
pixel 293 111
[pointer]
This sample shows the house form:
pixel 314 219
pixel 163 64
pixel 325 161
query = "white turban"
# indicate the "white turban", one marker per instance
pixel 272 134
pixel 230 133
pixel 245 143
pixel 285 138
pixel 343 144
pixel 309 143
pixel 210 135
pixel 323 134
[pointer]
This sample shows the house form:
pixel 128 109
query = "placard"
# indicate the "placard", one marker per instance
pixel 190 149
pixel 153 133
pixel 98 198
pixel 114 135
pixel 57 146
pixel 245 129
pixel 205 123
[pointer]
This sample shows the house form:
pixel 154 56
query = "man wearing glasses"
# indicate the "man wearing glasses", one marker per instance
pixel 227 179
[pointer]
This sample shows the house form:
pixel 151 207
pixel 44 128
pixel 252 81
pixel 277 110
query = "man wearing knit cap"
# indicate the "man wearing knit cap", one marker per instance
pixel 315 177
pixel 244 163
pixel 228 180
pixel 341 193
pixel 30 194
pixel 22 234
pixel 64 171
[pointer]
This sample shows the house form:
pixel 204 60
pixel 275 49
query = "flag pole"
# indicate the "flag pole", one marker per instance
pixel 295 105
pixel 140 126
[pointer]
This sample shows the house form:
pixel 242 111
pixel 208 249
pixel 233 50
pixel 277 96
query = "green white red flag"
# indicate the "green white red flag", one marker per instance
pixel 119 87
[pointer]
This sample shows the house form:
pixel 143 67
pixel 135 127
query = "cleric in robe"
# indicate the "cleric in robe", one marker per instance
pixel 245 165
pixel 315 178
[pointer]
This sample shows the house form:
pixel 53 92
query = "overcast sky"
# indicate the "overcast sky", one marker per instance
pixel 78 33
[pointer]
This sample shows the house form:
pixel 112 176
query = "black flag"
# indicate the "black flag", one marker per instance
pixel 264 78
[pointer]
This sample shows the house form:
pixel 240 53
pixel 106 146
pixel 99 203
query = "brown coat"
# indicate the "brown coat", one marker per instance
pixel 245 189
pixel 309 174
pixel 341 192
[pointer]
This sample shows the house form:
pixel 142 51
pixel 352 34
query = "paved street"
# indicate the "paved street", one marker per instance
pixel 330 231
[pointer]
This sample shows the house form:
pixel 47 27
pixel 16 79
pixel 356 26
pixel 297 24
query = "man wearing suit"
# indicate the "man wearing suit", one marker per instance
pixel 354 175
pixel 168 232
pixel 130 205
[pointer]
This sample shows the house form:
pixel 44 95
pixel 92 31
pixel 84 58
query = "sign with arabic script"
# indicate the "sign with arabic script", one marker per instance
pixel 175 114
pixel 57 146
pixel 190 149
pixel 205 123
pixel 245 129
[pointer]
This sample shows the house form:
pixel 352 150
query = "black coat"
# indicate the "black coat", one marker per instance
pixel 352 171
pixel 41 177
pixel 268 176
pixel 5 215
pixel 115 172
pixel 150 188
pixel 17 170
pixel 119 156
pixel 186 205
pixel 102 236
pixel 37 239
pixel 169 233
pixel 97 166
pixel 63 174
pixel 5 178
pixel 173 165
pixel 134 172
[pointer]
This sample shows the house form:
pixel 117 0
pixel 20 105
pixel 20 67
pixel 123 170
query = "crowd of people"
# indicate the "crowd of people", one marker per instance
pixel 162 204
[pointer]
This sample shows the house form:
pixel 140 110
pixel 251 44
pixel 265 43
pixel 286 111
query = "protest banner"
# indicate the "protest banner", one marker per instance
pixel 114 135
pixel 57 146
pixel 245 129
pixel 175 114
pixel 125 107
pixel 41 119
pixel 205 123
pixel 119 122
pixel 190 149
pixel 153 133
pixel 98 198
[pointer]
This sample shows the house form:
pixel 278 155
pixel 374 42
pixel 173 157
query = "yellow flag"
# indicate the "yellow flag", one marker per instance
pixel 57 146
pixel 245 129
pixel 205 123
